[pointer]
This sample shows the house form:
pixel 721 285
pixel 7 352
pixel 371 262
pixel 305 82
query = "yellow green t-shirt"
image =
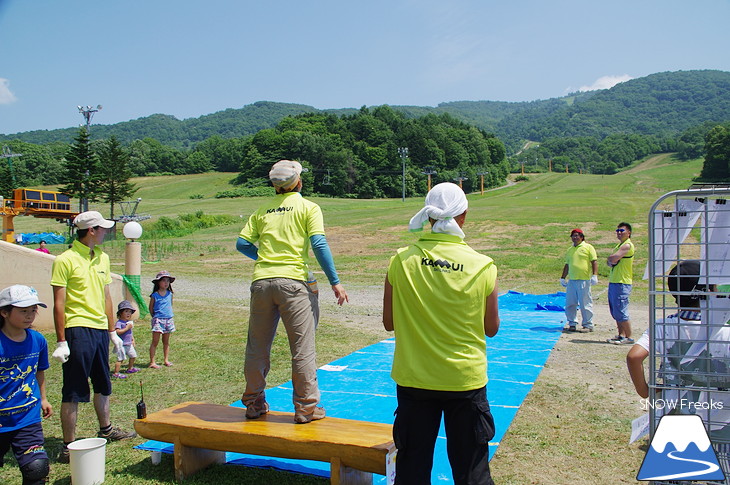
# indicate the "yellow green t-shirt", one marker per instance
pixel 579 259
pixel 623 271
pixel 282 228
pixel 85 279
pixel 440 288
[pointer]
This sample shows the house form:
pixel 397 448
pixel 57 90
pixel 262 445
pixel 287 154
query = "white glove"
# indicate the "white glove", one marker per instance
pixel 594 279
pixel 118 344
pixel 62 352
pixel 563 283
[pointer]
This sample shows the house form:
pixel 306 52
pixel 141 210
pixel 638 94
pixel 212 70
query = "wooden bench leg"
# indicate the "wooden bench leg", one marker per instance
pixel 189 460
pixel 343 475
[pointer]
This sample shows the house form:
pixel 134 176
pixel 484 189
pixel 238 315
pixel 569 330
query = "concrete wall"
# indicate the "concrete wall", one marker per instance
pixel 22 266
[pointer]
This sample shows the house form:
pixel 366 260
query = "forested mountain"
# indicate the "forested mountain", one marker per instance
pixel 170 131
pixel 597 132
pixel 660 105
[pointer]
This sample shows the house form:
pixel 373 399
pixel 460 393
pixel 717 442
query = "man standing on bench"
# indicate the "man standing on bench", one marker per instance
pixel 284 228
pixel 441 299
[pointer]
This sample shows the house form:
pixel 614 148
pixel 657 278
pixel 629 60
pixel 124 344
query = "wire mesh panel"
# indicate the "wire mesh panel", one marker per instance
pixel 689 298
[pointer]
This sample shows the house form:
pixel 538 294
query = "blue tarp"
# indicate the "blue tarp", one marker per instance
pixel 36 238
pixel 358 386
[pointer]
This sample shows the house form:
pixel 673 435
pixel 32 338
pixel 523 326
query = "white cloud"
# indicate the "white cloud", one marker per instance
pixel 6 96
pixel 605 82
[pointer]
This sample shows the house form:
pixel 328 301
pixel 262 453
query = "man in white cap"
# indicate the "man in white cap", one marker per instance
pixel 284 229
pixel 83 315
pixel 441 299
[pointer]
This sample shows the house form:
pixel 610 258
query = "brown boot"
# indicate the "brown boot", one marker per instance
pixel 318 413
pixel 257 408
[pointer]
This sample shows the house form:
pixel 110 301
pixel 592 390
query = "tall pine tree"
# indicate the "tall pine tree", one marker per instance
pixel 114 174
pixel 81 177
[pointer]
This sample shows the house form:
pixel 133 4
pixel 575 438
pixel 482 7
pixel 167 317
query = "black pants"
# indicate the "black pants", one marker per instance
pixel 469 427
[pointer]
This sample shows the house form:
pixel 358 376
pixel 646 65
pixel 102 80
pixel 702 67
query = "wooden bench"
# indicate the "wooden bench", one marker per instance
pixel 202 432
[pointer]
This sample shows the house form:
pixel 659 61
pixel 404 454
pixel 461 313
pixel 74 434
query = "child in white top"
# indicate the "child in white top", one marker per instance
pixel 124 327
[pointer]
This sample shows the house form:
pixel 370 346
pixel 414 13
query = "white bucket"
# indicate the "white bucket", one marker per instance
pixel 88 461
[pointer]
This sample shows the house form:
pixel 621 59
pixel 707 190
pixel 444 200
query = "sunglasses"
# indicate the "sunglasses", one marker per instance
pixel 620 230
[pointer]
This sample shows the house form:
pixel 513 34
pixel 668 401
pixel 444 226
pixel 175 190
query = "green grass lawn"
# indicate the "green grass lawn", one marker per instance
pixel 524 227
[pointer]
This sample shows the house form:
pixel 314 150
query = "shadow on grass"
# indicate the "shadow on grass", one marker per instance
pixel 144 472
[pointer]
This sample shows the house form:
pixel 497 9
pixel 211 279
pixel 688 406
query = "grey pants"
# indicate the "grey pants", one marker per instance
pixel 298 308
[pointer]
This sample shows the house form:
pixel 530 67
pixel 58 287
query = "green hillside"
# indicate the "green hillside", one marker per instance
pixel 660 104
pixel 524 226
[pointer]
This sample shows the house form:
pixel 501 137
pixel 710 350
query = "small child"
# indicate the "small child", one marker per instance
pixel 23 361
pixel 161 311
pixel 124 327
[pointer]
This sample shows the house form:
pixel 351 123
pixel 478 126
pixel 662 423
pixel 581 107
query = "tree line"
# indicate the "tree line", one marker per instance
pixel 349 156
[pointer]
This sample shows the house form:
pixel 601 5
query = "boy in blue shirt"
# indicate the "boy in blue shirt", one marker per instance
pixel 23 361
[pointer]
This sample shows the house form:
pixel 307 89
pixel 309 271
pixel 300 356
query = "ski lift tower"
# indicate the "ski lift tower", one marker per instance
pixel 129 211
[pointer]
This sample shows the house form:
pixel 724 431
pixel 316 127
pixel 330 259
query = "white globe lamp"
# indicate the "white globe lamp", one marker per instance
pixel 132 230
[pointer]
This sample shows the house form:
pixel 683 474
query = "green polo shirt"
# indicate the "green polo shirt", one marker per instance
pixel 440 288
pixel 282 228
pixel 579 259
pixel 85 279
pixel 623 271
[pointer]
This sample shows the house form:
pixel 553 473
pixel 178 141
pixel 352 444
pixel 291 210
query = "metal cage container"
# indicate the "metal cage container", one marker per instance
pixel 689 358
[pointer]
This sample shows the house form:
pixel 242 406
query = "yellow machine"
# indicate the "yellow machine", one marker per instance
pixel 47 204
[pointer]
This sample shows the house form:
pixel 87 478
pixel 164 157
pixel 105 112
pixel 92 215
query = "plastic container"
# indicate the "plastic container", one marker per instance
pixel 312 283
pixel 88 461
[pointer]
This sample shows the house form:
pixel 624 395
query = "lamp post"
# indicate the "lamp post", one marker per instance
pixel 132 257
pixel 403 152
pixel 88 113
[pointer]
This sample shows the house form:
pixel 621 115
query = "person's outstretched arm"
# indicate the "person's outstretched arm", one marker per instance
pixel 635 363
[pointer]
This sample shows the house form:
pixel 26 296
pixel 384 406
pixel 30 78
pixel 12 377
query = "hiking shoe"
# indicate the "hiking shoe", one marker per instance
pixel 132 370
pixel 304 419
pixel 116 434
pixel 614 339
pixel 64 456
pixel 623 340
pixel 571 329
pixel 117 375
pixel 257 408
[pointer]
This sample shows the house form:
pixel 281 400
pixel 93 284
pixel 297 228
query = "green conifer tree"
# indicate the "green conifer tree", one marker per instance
pixel 81 176
pixel 114 174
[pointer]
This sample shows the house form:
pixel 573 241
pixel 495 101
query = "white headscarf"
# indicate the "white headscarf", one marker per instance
pixel 444 202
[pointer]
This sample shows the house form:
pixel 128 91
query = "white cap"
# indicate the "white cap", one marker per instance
pixel 89 219
pixel 284 174
pixel 21 296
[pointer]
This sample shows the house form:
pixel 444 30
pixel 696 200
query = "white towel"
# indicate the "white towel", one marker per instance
pixel 444 202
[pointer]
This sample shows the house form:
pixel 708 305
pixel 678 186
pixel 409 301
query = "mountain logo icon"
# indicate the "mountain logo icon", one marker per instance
pixel 680 450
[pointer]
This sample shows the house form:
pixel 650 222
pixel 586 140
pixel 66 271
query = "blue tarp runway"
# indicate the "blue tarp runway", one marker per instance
pixel 358 386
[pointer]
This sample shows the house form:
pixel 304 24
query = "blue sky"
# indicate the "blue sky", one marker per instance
pixel 189 58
